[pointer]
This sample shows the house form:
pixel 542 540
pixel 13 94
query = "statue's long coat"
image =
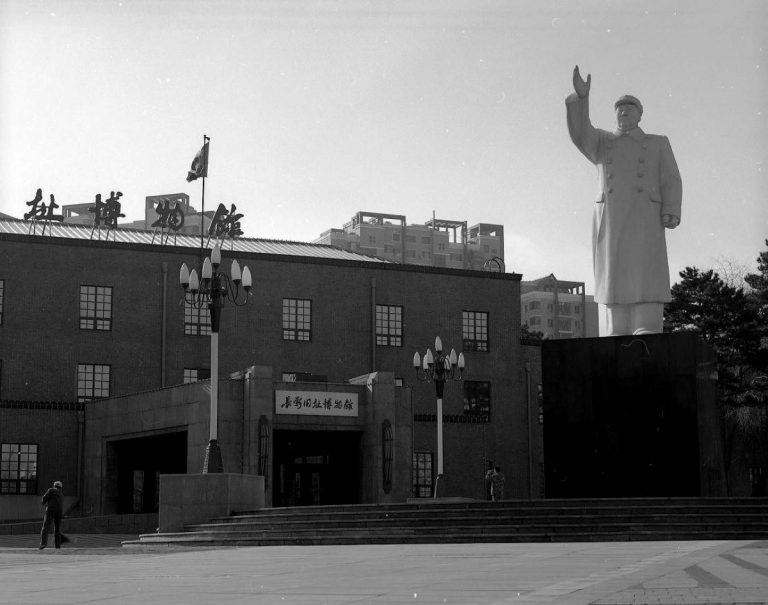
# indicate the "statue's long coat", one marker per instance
pixel 638 182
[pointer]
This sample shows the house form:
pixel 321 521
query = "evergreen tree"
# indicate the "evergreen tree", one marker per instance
pixel 530 335
pixel 735 324
pixel 757 299
pixel 702 302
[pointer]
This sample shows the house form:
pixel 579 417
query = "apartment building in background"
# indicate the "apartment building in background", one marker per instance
pixel 436 243
pixel 558 308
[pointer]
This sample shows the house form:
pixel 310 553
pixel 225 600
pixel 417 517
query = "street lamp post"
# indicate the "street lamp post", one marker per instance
pixel 439 368
pixel 213 289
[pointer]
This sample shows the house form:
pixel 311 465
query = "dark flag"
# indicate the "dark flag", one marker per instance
pixel 199 165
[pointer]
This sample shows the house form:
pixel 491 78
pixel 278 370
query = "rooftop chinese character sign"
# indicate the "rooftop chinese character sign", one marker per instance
pixel 316 403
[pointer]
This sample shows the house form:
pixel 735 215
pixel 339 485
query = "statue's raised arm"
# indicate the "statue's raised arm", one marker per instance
pixel 579 85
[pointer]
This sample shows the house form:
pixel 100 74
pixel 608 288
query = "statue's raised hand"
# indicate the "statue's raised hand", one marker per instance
pixel 579 85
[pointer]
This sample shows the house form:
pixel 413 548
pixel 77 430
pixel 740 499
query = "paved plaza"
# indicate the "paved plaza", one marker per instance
pixel 94 569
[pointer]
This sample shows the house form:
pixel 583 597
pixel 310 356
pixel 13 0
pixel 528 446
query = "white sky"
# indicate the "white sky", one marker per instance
pixel 319 109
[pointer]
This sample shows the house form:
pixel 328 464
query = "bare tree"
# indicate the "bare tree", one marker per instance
pixel 732 271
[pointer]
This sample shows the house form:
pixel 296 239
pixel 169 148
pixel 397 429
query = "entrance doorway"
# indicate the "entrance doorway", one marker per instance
pixel 137 464
pixel 316 467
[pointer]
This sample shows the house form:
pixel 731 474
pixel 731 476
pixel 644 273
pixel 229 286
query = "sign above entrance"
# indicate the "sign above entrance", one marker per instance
pixel 316 403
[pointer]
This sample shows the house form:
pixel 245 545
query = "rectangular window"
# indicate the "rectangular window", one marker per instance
pixel 197 318
pixel 2 292
pixel 535 304
pixel 475 328
pixel 195 374
pixel 564 308
pixel 18 468
pixel 477 399
pixel 422 474
pixel 92 381
pixel 297 319
pixel 389 325
pixel 95 307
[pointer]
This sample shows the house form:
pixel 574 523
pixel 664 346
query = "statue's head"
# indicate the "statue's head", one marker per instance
pixel 629 110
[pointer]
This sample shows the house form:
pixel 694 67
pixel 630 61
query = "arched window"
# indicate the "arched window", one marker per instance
pixel 387 447
pixel 264 435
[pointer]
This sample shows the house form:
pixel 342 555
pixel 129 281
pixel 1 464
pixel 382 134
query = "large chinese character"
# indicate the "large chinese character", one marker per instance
pixel 225 222
pixel 108 212
pixel 170 218
pixel 41 212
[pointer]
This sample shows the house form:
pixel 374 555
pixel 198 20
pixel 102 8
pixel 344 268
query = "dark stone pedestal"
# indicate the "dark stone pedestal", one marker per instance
pixel 631 416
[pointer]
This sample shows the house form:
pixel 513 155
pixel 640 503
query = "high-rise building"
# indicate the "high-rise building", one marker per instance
pixel 436 243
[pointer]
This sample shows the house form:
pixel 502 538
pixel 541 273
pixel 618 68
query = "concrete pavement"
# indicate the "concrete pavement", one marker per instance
pixel 638 573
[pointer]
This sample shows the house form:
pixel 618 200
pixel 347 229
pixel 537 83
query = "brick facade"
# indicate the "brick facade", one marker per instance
pixel 41 343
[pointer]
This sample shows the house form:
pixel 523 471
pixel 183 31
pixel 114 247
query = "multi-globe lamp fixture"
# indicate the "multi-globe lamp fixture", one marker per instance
pixel 213 289
pixel 439 368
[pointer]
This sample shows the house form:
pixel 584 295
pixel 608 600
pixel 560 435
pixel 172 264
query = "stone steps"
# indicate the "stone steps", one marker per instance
pixel 509 521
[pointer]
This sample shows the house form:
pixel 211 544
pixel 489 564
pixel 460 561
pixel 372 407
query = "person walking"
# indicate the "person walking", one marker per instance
pixel 497 484
pixel 53 500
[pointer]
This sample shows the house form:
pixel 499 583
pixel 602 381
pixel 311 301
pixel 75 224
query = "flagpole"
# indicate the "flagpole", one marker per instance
pixel 202 211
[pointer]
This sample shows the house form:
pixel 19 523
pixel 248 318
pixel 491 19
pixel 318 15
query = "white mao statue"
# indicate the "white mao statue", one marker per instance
pixel 639 195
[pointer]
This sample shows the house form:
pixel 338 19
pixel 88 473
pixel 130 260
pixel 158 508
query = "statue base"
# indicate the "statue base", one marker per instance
pixel 631 416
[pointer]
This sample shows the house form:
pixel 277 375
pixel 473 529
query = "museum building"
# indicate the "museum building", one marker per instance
pixel 104 373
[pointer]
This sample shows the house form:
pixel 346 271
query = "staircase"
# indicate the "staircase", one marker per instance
pixel 583 520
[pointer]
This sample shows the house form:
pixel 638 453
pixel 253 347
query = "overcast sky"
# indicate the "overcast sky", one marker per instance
pixel 319 109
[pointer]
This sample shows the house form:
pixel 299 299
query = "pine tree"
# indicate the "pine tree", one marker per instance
pixel 735 324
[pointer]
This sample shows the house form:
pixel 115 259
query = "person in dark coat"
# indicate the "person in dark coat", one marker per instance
pixel 497 484
pixel 53 500
pixel 488 475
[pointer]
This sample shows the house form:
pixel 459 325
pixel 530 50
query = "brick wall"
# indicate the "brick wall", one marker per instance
pixel 41 342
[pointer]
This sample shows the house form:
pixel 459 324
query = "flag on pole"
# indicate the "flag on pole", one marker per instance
pixel 199 165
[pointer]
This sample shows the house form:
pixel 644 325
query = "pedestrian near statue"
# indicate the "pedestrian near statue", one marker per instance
pixel 497 484
pixel 53 500
pixel 488 475
pixel 639 196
